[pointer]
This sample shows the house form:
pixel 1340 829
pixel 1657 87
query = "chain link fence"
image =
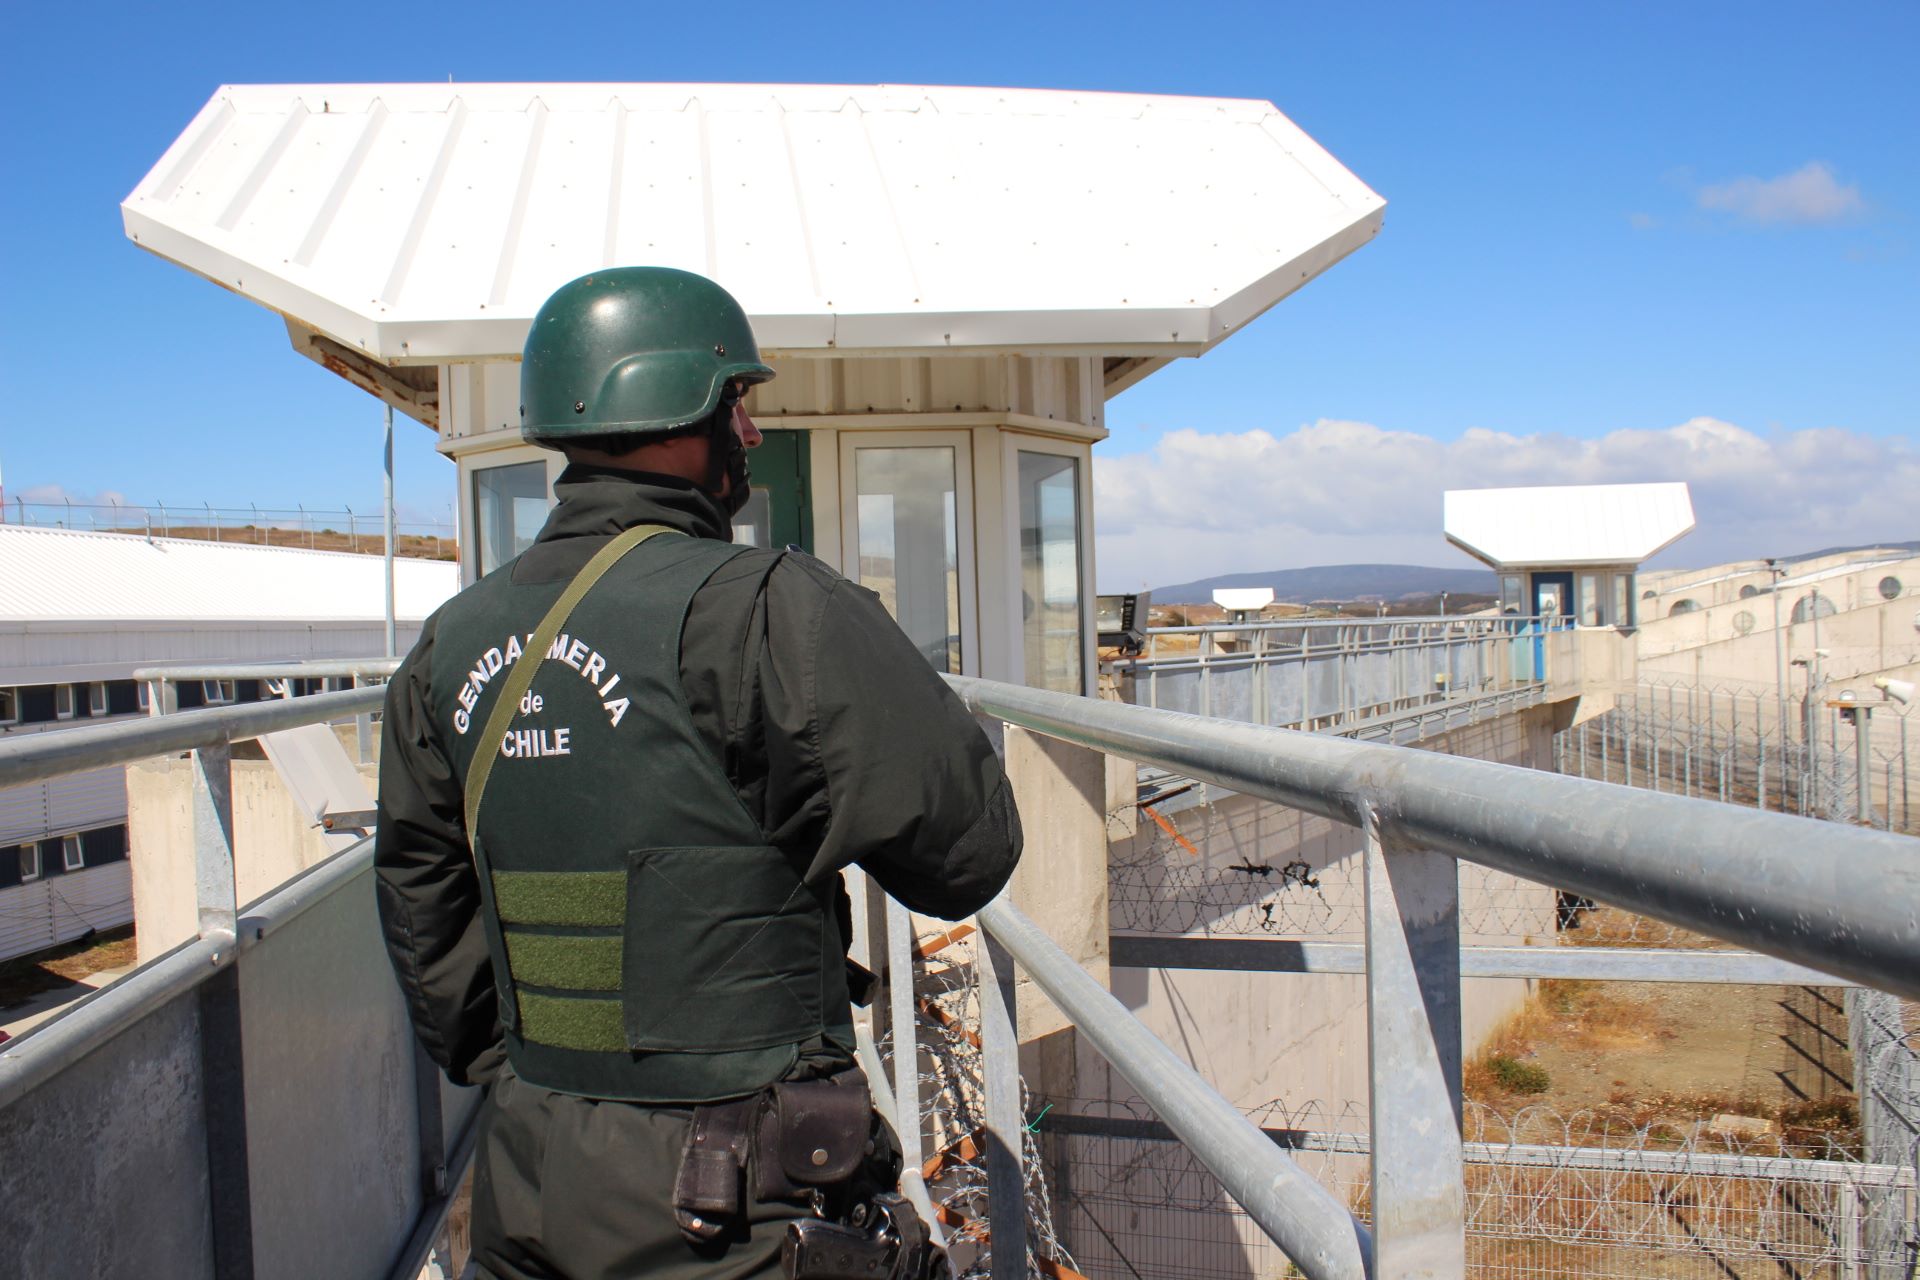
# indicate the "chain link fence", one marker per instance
pixel 1820 1185
pixel 1745 744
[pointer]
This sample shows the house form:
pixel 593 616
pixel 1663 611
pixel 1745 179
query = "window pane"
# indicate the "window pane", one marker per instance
pixel 29 862
pixel 1622 599
pixel 71 856
pixel 1050 571
pixel 753 527
pixel 509 506
pixel 97 699
pixel 909 544
pixel 1510 593
pixel 1589 599
pixel 9 706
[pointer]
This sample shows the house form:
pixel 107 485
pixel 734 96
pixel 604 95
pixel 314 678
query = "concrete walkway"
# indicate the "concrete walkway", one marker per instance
pixel 23 1017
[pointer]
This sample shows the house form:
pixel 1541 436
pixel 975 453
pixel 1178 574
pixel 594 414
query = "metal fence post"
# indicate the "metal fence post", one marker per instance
pixel 213 883
pixel 1005 1134
pixel 363 731
pixel 222 1065
pixel 904 1025
pixel 1885 1084
pixel 1413 1055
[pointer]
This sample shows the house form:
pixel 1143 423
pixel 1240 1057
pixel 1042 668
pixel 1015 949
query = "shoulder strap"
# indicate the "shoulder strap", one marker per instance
pixel 520 679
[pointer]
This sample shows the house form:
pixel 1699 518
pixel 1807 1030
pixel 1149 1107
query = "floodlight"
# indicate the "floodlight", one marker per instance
pixel 1900 691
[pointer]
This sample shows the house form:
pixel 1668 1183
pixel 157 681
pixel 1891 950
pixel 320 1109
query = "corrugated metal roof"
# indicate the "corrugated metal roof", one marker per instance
pixel 66 575
pixel 427 222
pixel 1567 524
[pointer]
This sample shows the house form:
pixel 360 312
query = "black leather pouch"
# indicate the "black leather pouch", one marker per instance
pixel 811 1134
pixel 706 1191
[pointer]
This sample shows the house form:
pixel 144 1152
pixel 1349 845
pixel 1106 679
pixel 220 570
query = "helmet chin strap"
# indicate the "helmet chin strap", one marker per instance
pixel 726 458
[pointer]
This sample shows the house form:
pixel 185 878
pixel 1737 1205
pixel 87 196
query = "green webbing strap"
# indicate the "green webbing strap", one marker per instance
pixel 520 679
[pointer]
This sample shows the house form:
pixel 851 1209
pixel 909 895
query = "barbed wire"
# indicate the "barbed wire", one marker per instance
pixel 953 1117
pixel 1577 1195
pixel 261 525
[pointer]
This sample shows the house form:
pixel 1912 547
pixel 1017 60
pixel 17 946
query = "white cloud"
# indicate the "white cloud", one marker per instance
pixel 1809 194
pixel 1337 492
pixel 1642 221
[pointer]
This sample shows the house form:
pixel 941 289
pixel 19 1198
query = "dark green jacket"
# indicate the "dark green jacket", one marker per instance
pixel 837 737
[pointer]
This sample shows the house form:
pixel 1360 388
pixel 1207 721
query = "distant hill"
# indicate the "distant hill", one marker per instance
pixel 1338 582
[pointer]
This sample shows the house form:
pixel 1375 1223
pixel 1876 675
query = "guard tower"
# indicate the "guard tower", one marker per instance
pixel 950 283
pixel 1569 552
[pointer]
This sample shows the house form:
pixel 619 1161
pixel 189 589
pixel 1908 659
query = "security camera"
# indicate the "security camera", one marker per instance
pixel 1900 691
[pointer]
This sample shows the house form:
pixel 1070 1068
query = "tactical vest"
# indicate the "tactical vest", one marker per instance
pixel 648 943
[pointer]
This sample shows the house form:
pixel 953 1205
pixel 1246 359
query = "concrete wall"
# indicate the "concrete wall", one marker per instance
pixel 273 841
pixel 1868 635
pixel 1296 1039
pixel 1722 583
pixel 1599 662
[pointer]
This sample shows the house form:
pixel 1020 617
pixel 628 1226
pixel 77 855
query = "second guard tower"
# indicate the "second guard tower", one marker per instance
pixel 1569 552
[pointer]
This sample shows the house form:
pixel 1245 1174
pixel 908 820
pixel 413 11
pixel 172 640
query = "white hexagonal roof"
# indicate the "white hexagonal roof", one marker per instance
pixel 1592 524
pixel 423 223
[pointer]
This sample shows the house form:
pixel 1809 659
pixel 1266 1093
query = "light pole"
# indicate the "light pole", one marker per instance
pixel 393 647
pixel 1775 568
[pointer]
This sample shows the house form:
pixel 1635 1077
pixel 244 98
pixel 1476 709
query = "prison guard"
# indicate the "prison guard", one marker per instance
pixel 648 944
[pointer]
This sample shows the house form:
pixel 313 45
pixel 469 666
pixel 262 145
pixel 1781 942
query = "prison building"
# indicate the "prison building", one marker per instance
pixel 80 612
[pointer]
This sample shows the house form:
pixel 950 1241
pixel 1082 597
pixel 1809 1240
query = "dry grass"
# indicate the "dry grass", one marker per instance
pixel 1575 1014
pixel 1619 1027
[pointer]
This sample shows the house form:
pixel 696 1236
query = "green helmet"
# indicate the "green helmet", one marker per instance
pixel 632 350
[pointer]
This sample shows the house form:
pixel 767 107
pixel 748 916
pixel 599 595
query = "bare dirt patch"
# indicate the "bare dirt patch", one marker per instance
pixel 1673 1060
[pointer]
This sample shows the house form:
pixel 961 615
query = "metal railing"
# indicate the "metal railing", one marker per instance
pixel 252 1102
pixel 277 681
pixel 1836 900
pixel 1328 672
pixel 225 1052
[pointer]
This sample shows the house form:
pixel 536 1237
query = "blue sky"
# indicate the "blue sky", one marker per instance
pixel 1617 219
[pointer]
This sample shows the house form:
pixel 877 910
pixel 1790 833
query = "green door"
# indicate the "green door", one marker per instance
pixel 780 513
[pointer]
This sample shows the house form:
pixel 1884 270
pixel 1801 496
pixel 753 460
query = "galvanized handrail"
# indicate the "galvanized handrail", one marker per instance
pixel 48 755
pixel 310 668
pixel 1391 620
pixel 206 964
pixel 1313 1228
pixel 1839 899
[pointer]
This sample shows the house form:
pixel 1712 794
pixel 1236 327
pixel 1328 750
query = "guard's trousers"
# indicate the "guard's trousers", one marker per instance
pixel 570 1188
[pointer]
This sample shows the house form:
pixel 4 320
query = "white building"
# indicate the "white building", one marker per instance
pixel 1569 552
pixel 950 282
pixel 80 612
